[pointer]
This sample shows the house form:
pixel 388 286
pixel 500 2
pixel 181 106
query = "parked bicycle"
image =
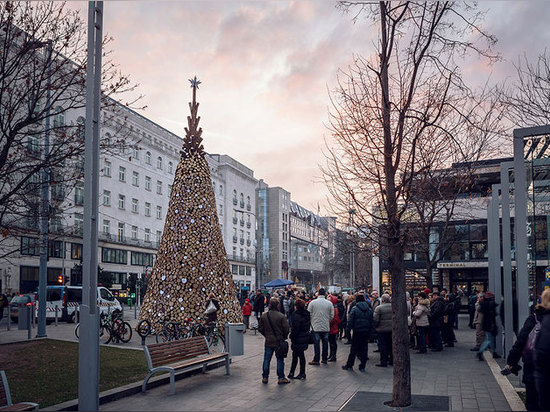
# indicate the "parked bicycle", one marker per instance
pixel 176 331
pixel 214 336
pixel 112 328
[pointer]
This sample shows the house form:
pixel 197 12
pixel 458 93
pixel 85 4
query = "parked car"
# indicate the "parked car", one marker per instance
pixel 17 302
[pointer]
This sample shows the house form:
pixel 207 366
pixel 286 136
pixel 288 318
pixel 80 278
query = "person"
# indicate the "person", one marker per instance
pixel 437 310
pixel 472 300
pixel 542 352
pixel 478 320
pixel 259 305
pixel 349 302
pixel 421 314
pixel 342 316
pixel 322 312
pixel 374 299
pixel 333 332
pixel 247 310
pixel 299 338
pixel 291 307
pixel 382 320
pixel 212 317
pixel 489 325
pixel 521 350
pixel 3 303
pixel 447 331
pixel 272 336
pixel 361 321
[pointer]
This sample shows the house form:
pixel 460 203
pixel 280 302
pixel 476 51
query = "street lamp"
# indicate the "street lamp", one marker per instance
pixel 352 251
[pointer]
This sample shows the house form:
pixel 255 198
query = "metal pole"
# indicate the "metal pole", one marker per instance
pixel 44 207
pixel 88 359
pixel 494 264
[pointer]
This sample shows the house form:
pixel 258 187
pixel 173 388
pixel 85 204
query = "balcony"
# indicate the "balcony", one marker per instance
pixel 238 258
pixel 234 239
pixel 248 207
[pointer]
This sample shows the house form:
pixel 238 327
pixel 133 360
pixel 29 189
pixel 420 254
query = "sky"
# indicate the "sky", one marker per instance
pixel 266 69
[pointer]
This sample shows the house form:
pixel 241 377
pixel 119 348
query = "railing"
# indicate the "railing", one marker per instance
pixel 238 258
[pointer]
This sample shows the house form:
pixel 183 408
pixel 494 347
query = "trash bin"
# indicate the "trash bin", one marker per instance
pixel 234 338
pixel 23 317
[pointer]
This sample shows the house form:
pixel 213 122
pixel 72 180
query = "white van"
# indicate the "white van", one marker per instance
pixel 68 298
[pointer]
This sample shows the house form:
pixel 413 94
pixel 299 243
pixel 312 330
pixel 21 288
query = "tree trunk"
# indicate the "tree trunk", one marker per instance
pixel 429 279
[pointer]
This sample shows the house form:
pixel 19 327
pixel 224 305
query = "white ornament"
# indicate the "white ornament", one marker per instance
pixel 184 280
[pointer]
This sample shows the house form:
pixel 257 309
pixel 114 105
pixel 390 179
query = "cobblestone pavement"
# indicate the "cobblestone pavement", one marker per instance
pixel 454 372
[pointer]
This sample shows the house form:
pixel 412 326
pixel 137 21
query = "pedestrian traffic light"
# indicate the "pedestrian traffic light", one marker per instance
pixel 60 279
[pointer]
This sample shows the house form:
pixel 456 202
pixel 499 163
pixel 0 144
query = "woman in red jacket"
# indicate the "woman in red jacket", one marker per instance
pixel 247 311
pixel 333 333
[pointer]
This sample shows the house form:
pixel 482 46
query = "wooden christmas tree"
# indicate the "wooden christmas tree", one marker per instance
pixel 191 260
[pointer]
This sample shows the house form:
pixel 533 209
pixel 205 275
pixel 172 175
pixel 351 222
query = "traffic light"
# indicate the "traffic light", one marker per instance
pixel 60 279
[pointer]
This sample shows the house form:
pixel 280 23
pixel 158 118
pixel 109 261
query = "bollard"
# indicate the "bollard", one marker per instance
pixel 32 315
pixel 56 308
pixel 9 315
pixel 122 306
pixel 29 326
pixel 135 312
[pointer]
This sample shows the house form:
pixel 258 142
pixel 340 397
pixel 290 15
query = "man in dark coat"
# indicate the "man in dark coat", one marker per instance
pixel 360 320
pixel 299 337
pixel 273 326
pixel 542 352
pixel 489 325
pixel 437 311
pixel 259 304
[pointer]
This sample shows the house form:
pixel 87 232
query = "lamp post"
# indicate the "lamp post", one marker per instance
pixel 352 251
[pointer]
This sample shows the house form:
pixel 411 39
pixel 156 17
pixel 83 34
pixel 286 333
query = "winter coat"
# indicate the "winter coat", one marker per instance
pixel 322 312
pixel 299 334
pixel 212 317
pixel 383 318
pixel 360 318
pixel 341 311
pixel 422 312
pixel 437 311
pixel 488 308
pixel 478 316
pixel 259 304
pixel 286 305
pixel 375 303
pixel 542 359
pixel 517 351
pixel 247 308
pixel 334 323
pixel 280 324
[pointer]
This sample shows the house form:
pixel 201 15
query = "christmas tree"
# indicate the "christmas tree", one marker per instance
pixel 191 261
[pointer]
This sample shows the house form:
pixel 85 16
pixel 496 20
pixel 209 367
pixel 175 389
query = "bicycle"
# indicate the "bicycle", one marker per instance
pixel 175 331
pixel 111 329
pixel 214 336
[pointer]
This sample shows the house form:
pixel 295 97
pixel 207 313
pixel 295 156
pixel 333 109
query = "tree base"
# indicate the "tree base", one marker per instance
pixel 382 401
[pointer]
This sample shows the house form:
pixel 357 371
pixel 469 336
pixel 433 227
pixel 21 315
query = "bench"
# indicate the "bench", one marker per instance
pixel 5 398
pixel 180 355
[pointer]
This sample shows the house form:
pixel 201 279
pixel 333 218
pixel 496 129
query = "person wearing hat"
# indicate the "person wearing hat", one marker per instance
pixel 247 311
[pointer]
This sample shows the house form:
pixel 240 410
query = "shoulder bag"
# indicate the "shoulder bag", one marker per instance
pixel 282 346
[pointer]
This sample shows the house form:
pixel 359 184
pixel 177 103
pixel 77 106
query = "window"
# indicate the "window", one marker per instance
pixel 106 198
pixel 135 179
pixel 109 255
pixel 106 226
pixel 135 153
pixel 159 187
pixel 142 259
pixel 121 232
pixel 135 205
pixel 147 183
pixel 79 193
pixel 147 209
pixel 159 237
pixel 159 212
pixel 30 246
pixel 107 169
pixel 78 223
pixel 76 251
pixel 148 158
pixel 59 117
pixel 169 189
pixel 159 163
pixel 122 174
pixel 221 210
pixel 121 200
pixel 147 235
pixel 221 190
pixel 33 145
pixel 170 167
pixel 134 232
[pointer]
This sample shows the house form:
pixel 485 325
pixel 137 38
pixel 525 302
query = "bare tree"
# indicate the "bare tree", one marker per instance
pixel 392 111
pixel 42 82
pixel 42 91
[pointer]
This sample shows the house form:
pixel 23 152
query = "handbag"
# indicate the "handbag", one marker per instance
pixel 311 338
pixel 211 308
pixel 282 347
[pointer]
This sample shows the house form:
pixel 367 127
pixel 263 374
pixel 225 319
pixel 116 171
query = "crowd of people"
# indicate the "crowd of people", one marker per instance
pixel 321 319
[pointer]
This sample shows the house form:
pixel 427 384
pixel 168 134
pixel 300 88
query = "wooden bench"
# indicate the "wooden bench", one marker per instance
pixel 5 398
pixel 181 355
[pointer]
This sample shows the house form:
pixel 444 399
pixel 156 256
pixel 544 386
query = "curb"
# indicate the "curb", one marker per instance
pixel 509 392
pixel 130 389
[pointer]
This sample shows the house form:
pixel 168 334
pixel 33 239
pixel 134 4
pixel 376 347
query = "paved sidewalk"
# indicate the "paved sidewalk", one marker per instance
pixel 454 372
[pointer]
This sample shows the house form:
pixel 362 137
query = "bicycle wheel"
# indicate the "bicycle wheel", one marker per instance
pixel 162 336
pixel 199 330
pixel 216 342
pixel 144 328
pixel 124 332
pixel 105 334
pixel 76 330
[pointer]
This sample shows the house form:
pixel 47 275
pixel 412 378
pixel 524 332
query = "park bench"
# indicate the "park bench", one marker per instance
pixel 5 398
pixel 180 355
